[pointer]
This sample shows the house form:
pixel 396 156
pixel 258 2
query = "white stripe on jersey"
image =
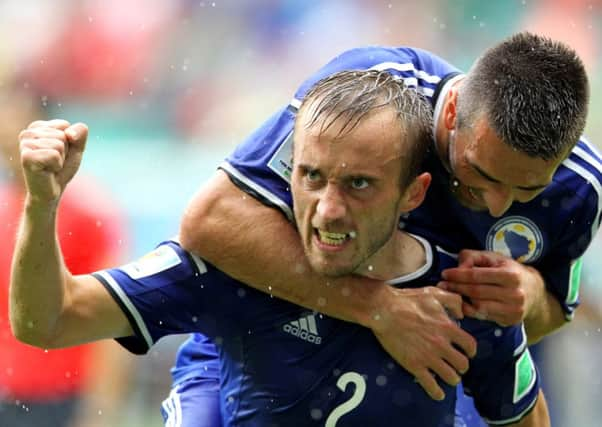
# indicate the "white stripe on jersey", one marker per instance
pixel 413 82
pixel 409 81
pixel 449 254
pixel 593 181
pixel 407 66
pixel 173 408
pixel 131 307
pixel 523 344
pixel 587 156
pixel 260 190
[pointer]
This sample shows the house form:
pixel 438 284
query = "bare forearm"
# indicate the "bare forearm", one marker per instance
pixel 38 274
pixel 545 317
pixel 257 245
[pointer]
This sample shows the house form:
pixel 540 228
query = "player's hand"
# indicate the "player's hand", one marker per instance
pixel 51 152
pixel 417 327
pixel 497 287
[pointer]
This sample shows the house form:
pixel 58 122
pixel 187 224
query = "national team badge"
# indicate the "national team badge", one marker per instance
pixel 516 237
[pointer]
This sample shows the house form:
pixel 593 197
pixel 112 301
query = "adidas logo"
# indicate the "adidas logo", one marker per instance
pixel 304 328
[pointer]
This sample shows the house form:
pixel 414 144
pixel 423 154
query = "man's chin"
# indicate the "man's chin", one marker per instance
pixel 329 269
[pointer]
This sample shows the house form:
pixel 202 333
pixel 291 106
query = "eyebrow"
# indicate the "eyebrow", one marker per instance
pixel 520 187
pixel 370 177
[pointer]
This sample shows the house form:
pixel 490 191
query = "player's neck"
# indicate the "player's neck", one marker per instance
pixel 401 255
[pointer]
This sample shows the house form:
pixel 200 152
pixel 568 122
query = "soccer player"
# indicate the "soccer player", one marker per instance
pixel 510 175
pixel 359 142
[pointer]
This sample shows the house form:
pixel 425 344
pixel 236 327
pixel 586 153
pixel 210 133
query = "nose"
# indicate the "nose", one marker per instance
pixel 331 205
pixel 498 200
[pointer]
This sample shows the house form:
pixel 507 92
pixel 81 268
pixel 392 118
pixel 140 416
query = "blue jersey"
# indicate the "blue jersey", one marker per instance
pixel 281 364
pixel 551 232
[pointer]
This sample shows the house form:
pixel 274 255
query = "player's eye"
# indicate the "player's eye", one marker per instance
pixel 312 175
pixel 359 183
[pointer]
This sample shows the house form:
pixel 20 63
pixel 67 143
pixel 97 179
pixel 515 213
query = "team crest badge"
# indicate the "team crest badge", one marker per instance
pixel 516 237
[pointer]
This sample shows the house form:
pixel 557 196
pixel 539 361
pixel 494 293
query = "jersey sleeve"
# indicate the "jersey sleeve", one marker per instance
pixel 502 377
pixel 261 165
pixel 168 291
pixel 561 267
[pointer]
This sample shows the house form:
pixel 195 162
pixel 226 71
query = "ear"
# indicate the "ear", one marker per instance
pixel 415 193
pixel 449 109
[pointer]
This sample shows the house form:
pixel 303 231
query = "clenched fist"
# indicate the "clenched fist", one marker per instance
pixel 51 152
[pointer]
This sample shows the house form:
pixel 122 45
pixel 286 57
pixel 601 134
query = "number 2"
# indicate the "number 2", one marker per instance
pixel 354 400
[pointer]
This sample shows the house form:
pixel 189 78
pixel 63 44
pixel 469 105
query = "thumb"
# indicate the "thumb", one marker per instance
pixel 77 135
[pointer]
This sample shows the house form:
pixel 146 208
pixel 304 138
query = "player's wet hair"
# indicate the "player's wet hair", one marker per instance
pixel 348 97
pixel 533 92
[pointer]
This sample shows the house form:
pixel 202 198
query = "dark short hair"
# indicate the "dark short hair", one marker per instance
pixel 533 92
pixel 350 96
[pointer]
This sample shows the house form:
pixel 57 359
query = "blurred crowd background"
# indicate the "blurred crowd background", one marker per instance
pixel 169 87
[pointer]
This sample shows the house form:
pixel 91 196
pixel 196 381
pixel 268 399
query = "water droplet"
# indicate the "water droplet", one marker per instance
pixel 370 268
pixel 345 291
pixel 381 380
pixel 316 414
pixel 321 301
pixel 241 292
pixel 376 316
pixel 497 332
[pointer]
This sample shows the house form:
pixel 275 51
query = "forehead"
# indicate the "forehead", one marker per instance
pixel 375 140
pixel 505 163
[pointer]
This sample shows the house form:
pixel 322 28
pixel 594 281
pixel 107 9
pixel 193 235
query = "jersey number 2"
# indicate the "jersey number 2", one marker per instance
pixel 354 400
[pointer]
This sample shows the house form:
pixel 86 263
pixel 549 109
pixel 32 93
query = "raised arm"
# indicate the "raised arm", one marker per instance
pixel 257 245
pixel 49 307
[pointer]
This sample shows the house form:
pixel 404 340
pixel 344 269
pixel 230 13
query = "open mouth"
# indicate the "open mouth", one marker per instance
pixel 333 239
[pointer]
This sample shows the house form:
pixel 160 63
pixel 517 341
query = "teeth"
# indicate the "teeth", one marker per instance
pixel 335 239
